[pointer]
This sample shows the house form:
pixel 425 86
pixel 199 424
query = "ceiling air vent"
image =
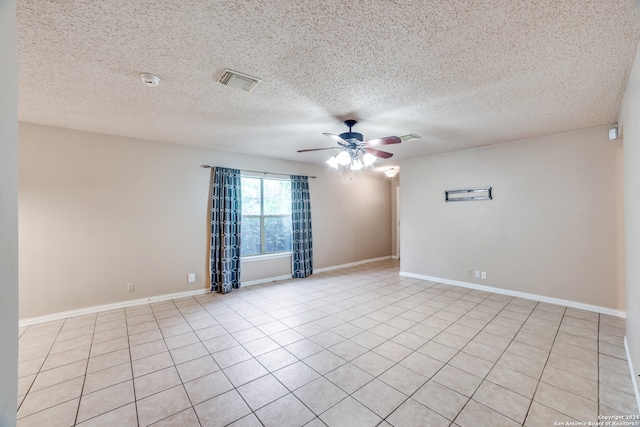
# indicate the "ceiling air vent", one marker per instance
pixel 410 137
pixel 239 80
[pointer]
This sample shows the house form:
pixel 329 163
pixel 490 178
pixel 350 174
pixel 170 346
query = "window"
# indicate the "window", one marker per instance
pixel 266 216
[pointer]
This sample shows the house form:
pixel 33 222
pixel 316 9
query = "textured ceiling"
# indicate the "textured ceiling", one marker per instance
pixel 459 73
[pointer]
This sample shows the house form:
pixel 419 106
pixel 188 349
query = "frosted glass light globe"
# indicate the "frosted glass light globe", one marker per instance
pixel 343 158
pixel 369 159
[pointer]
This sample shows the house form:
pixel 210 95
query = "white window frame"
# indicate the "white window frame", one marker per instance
pixel 262 216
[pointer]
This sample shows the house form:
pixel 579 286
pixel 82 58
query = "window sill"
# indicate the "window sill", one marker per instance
pixel 251 258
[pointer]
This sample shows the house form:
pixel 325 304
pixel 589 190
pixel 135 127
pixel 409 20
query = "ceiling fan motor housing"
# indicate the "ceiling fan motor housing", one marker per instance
pixel 348 136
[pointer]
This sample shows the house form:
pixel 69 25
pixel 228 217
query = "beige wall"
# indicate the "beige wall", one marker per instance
pixel 99 211
pixel 630 130
pixel 8 214
pixel 554 227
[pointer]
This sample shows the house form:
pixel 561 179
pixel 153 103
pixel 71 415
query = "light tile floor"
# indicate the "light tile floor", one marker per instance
pixel 359 346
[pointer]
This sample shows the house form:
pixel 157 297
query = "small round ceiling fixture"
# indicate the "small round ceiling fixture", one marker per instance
pixel 150 79
pixel 391 172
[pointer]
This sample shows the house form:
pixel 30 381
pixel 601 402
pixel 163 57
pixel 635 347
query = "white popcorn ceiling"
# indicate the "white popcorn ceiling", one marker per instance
pixel 459 73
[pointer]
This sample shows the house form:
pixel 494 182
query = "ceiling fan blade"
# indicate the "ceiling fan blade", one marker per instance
pixel 378 153
pixel 336 138
pixel 383 141
pixel 317 149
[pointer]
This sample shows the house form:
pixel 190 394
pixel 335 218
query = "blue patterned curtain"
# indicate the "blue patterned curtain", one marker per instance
pixel 302 248
pixel 226 214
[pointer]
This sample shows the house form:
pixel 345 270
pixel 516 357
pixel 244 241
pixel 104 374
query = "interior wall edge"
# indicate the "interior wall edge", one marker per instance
pixel 9 236
pixel 629 127
pixel 632 372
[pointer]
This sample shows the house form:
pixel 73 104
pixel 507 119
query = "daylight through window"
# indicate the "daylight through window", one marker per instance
pixel 266 216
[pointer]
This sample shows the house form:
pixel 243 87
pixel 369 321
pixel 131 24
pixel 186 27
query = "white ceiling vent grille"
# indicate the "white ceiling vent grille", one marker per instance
pixel 410 137
pixel 239 80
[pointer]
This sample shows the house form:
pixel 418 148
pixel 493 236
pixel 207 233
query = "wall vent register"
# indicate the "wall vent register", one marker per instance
pixel 479 193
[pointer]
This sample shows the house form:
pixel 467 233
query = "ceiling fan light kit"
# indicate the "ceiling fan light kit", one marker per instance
pixel 356 165
pixel 354 150
pixel 346 158
pixel 343 158
pixel 368 159
pixel 333 162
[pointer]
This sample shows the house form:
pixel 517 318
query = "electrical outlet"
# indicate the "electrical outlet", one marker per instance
pixel 191 278
pixel 477 274
pixel 484 274
pixel 470 273
pixel 131 287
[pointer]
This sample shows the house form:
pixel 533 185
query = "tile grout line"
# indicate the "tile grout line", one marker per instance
pixel 86 368
pixel 175 366
pixel 302 361
pixel 235 388
pixel 126 326
pixel 383 419
pixel 40 368
pixel 502 354
pixel 447 363
pixel 413 351
pixel 268 372
pixel 133 377
pixel 545 366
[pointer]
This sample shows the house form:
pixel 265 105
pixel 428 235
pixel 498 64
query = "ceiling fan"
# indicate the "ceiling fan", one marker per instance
pixel 354 150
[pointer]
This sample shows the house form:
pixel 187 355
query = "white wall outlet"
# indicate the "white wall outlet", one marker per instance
pixel 131 287
pixel 477 273
pixel 191 278
pixel 484 274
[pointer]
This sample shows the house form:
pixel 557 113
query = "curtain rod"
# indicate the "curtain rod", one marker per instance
pixel 263 172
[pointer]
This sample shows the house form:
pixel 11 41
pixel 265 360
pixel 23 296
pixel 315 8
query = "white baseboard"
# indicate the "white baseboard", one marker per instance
pixel 535 297
pixel 106 307
pixel 395 257
pixel 633 374
pixel 267 280
pixel 117 305
pixel 315 270
pixel 351 264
